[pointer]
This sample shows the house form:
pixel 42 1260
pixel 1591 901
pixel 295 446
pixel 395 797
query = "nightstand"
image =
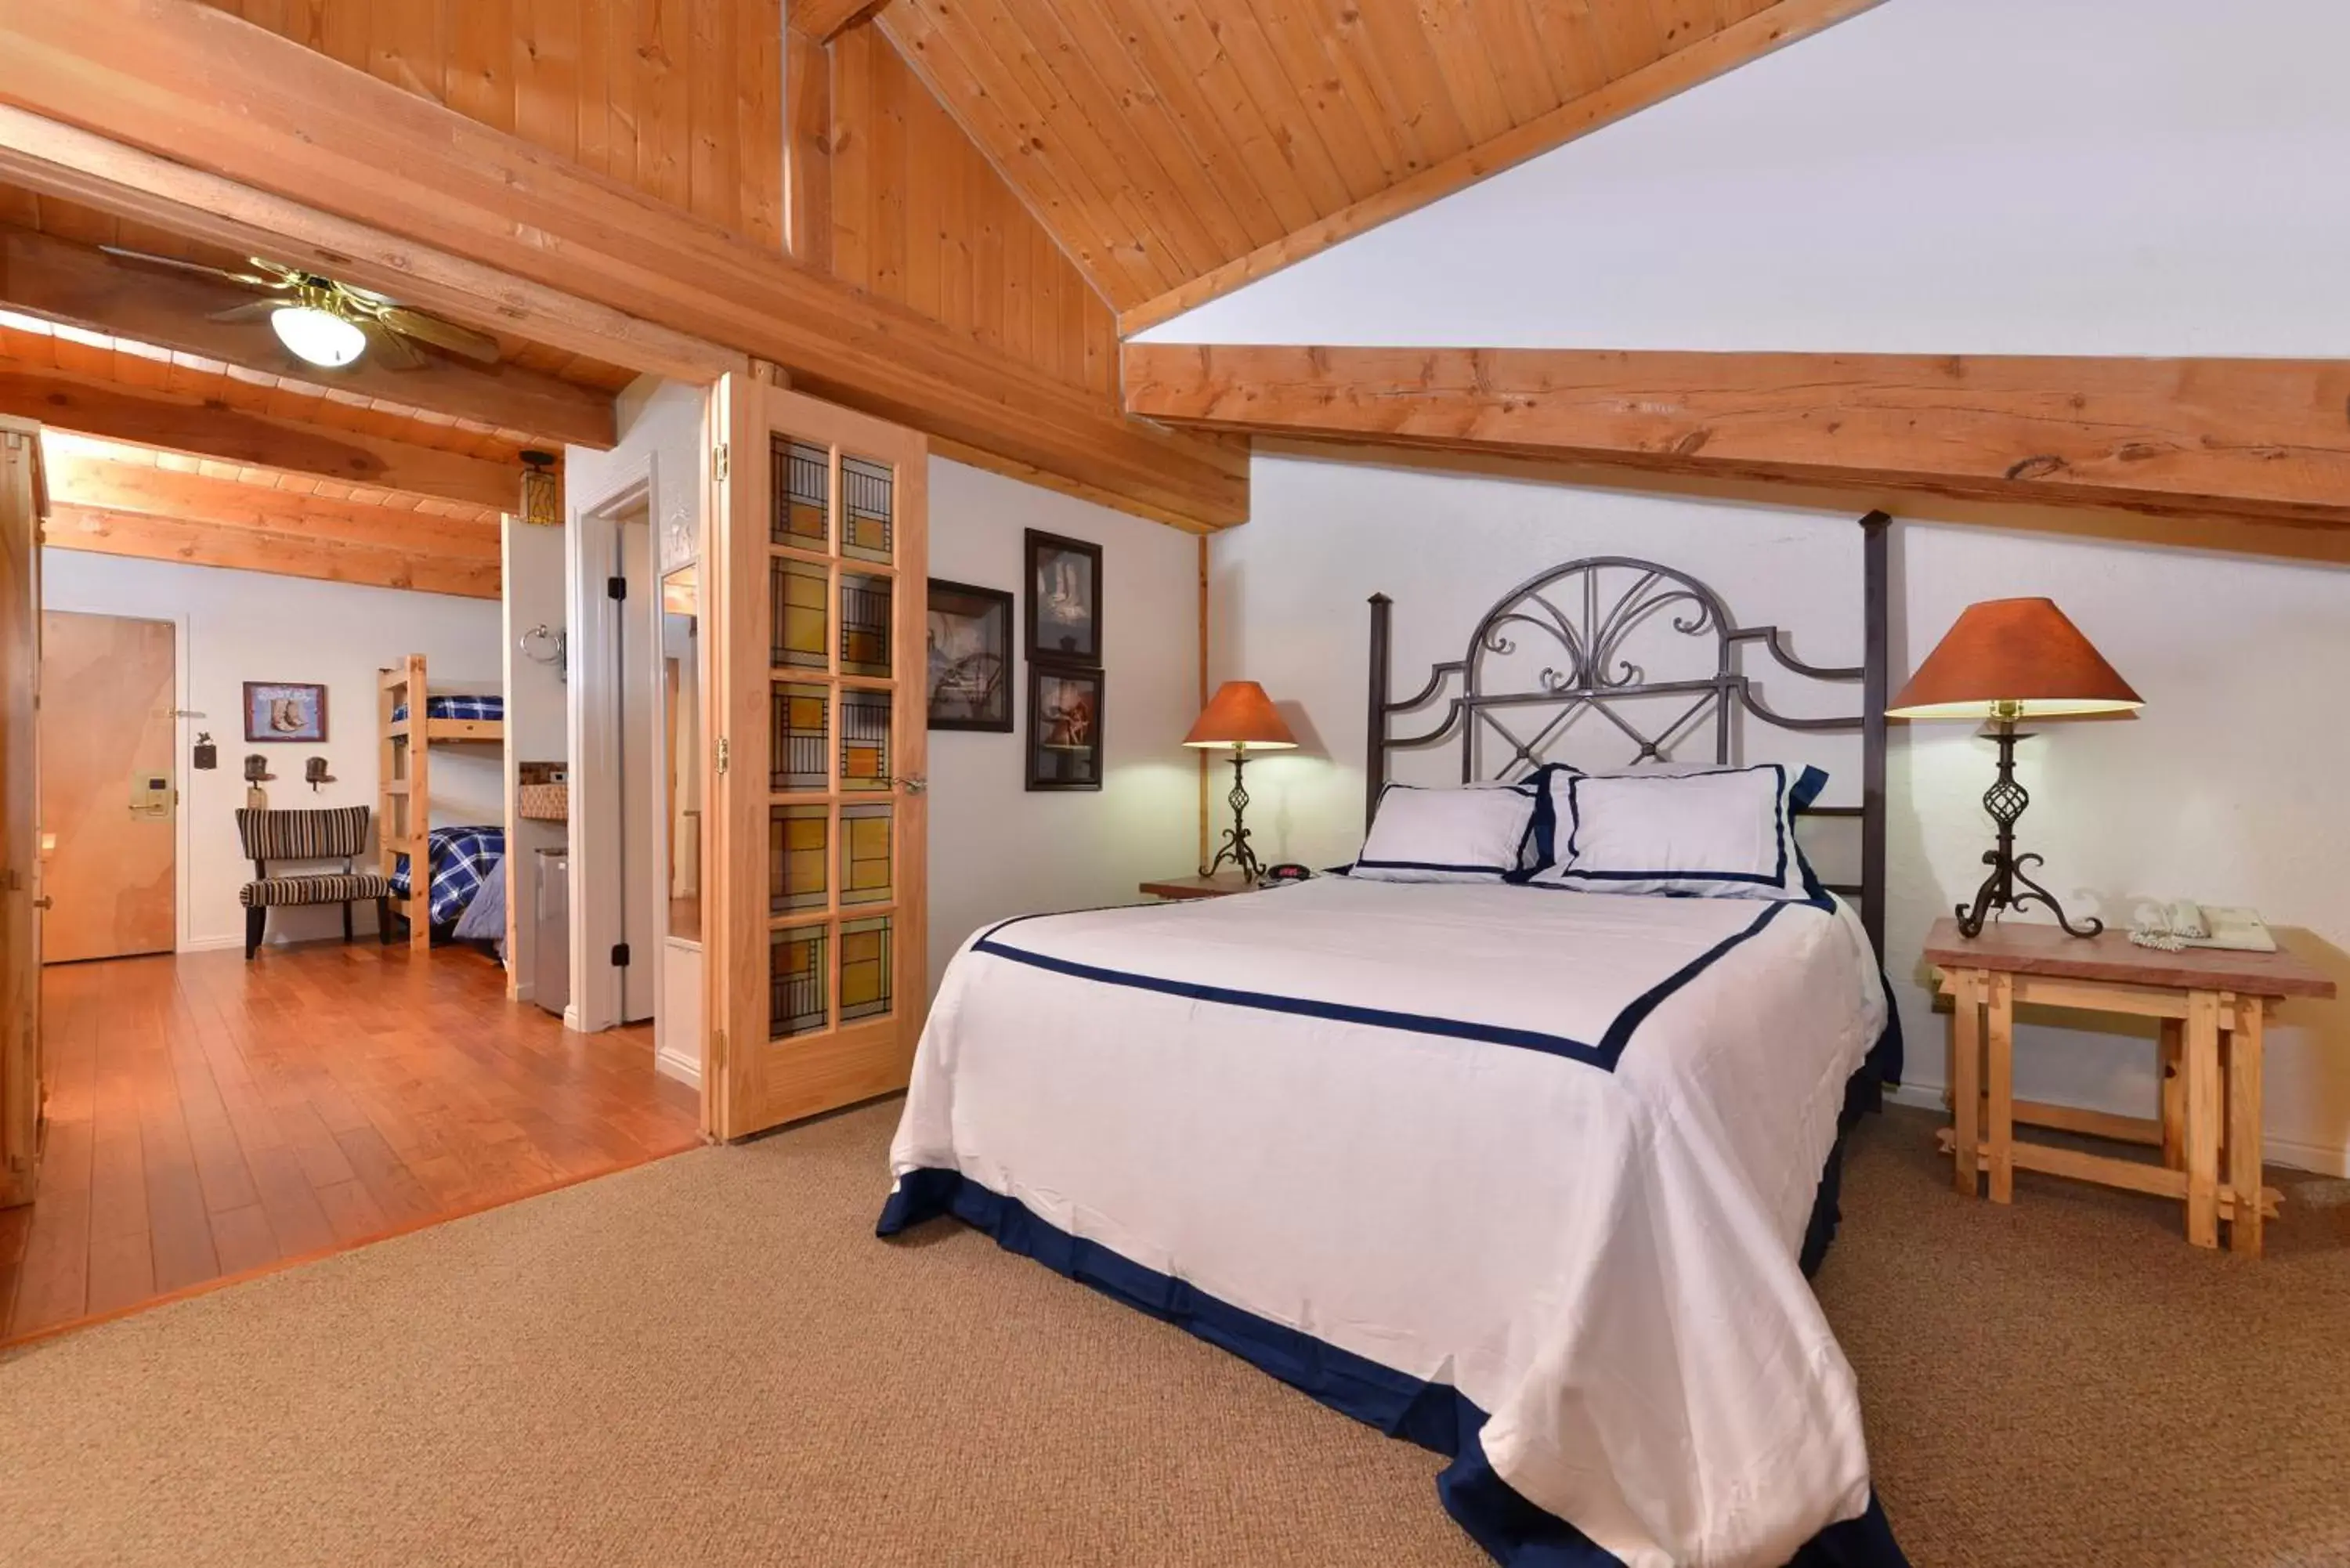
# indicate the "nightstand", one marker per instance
pixel 2212 1005
pixel 1216 887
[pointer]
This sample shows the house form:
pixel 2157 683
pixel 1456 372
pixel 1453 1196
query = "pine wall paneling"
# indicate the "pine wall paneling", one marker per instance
pixel 680 99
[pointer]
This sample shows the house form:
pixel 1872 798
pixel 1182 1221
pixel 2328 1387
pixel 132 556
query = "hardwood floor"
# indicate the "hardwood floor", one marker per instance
pixel 208 1117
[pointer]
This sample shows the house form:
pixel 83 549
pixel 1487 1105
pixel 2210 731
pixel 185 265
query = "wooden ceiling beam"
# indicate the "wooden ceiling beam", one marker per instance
pixel 84 287
pixel 2245 438
pixel 820 19
pixel 71 527
pixel 173 76
pixel 153 416
pixel 1741 41
pixel 53 159
pixel 100 483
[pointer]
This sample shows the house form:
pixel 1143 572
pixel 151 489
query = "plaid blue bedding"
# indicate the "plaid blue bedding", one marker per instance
pixel 493 707
pixel 461 857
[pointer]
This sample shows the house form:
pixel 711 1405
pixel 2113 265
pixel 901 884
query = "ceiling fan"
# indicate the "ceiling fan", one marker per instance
pixel 328 323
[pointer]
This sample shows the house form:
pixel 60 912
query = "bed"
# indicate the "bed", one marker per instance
pixel 1530 1176
pixel 463 860
pixel 404 808
pixel 476 708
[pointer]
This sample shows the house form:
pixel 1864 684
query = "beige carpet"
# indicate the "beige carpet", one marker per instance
pixel 711 1360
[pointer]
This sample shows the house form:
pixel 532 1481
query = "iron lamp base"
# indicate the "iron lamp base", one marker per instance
pixel 2005 799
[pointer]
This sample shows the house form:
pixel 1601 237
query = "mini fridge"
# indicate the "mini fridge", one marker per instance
pixel 550 906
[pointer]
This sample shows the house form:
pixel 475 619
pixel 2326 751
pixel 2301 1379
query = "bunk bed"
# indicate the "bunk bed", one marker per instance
pixel 455 861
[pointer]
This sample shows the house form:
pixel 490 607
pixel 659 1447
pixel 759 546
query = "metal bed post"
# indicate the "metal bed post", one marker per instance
pixel 1375 768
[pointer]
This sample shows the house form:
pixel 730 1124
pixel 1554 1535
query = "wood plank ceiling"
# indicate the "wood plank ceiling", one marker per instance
pixel 678 98
pixel 377 476
pixel 1178 147
pixel 86 226
pixel 958 315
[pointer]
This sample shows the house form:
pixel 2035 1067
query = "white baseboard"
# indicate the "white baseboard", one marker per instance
pixel 571 1018
pixel 685 1069
pixel 211 944
pixel 2325 1159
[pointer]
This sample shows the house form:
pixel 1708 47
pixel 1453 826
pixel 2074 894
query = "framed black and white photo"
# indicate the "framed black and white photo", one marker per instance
pixel 969 671
pixel 1065 727
pixel 285 711
pixel 1064 586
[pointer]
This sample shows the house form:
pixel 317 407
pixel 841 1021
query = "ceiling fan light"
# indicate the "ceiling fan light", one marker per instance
pixel 317 336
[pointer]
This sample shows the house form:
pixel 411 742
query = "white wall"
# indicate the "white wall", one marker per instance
pixel 247 626
pixel 2222 790
pixel 996 850
pixel 1936 175
pixel 537 716
pixel 1932 176
pixel 663 449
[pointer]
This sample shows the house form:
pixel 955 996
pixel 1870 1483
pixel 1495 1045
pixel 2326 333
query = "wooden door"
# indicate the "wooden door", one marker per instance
pixel 20 860
pixel 110 816
pixel 817 972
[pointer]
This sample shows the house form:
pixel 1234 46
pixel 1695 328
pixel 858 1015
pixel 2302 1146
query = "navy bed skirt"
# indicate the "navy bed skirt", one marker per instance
pixel 1435 1416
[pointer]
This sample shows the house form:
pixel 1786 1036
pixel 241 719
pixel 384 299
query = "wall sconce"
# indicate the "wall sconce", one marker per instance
pixel 256 769
pixel 542 489
pixel 314 773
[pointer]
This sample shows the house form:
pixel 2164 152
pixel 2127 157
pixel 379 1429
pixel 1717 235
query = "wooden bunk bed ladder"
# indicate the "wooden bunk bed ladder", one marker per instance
pixel 404 769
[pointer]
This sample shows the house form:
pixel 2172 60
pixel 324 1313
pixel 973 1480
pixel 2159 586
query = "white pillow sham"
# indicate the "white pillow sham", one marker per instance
pixel 1715 833
pixel 1478 834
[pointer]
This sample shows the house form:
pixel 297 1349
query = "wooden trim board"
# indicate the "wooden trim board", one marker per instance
pixel 201 427
pixel 287 554
pixel 2251 438
pixel 53 159
pixel 81 285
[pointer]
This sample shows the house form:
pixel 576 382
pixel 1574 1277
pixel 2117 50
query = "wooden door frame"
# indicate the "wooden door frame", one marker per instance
pixel 595 741
pixel 22 505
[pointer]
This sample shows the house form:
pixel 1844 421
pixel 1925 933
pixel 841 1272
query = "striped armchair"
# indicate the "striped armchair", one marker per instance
pixel 339 834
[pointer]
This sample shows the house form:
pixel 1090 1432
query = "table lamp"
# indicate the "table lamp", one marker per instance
pixel 1242 717
pixel 2006 661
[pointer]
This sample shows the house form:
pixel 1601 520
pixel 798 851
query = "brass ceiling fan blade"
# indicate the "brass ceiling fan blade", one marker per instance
pixel 147 258
pixel 256 311
pixel 441 334
pixel 397 350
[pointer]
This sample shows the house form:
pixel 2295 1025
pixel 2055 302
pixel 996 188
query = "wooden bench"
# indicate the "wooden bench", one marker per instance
pixel 339 833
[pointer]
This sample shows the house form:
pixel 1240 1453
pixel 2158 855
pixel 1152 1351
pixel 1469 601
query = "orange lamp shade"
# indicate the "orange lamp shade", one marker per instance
pixel 1241 715
pixel 2014 658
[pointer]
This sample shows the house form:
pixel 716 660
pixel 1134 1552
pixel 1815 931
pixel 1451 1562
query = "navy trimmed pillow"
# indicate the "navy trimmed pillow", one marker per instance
pixel 1715 833
pixel 1477 833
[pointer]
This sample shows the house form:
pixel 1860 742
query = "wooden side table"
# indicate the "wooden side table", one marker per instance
pixel 2213 1005
pixel 1216 887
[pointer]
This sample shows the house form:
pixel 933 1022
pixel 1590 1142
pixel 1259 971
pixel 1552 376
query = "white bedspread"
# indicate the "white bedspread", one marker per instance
pixel 1554 1149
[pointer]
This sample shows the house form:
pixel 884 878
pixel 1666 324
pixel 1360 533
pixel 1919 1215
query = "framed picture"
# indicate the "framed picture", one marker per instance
pixel 970 672
pixel 1065 727
pixel 285 711
pixel 1064 585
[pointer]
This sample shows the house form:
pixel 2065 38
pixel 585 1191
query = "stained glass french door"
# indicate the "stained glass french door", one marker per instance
pixel 818 968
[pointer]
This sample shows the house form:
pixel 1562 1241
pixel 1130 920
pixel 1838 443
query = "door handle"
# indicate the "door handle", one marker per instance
pixel 911 784
pixel 42 902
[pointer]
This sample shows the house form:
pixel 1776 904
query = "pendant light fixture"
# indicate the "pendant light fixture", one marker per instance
pixel 542 491
pixel 319 336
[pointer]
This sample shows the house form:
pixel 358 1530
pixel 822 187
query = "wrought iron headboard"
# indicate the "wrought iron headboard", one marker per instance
pixel 1591 631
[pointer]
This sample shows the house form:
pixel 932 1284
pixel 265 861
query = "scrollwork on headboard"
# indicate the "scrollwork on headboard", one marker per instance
pixel 1562 645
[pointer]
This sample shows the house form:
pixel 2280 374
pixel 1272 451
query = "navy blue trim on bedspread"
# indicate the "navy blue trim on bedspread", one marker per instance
pixel 1435 1416
pixel 1603 1055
